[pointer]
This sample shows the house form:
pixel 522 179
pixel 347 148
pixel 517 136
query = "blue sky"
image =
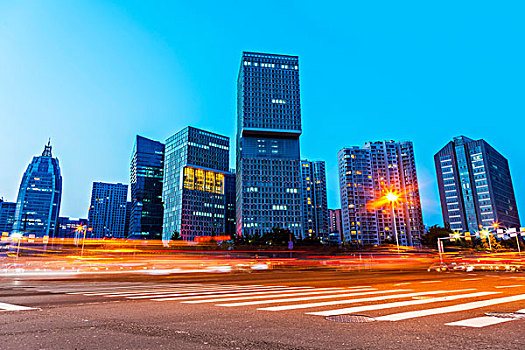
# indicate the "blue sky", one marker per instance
pixel 93 74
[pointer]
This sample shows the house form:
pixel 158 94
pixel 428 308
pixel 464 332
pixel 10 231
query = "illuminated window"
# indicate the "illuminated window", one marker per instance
pixel 199 179
pixel 189 178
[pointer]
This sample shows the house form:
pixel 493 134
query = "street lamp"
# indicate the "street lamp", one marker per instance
pixel 83 229
pixel 392 198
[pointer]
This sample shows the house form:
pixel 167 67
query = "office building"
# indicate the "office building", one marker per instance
pixel 196 163
pixel 230 193
pixel 67 227
pixel 268 157
pixel 107 212
pixel 336 226
pixel 146 176
pixel 7 216
pixel 475 186
pixel 39 196
pixel 314 201
pixel 366 175
pixel 127 219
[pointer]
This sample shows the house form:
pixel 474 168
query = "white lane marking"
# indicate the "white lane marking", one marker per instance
pixel 12 307
pixel 453 308
pixel 402 284
pixel 267 295
pixel 181 290
pixel 398 304
pixel 362 300
pixel 287 300
pixel 178 288
pixel 431 281
pixel 479 322
pixel 130 287
pixel 358 287
pixel 177 296
pixel 470 279
pixel 511 286
pixel 522 311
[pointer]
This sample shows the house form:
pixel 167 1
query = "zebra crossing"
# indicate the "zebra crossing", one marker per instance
pixel 329 301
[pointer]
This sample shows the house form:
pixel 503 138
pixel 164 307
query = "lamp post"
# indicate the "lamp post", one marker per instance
pixel 83 229
pixel 392 197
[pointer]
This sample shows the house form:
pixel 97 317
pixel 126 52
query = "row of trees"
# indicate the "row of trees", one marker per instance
pixel 435 232
pixel 281 236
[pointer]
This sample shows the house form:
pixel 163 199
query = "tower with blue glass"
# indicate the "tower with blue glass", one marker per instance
pixel 475 186
pixel 268 157
pixel 39 196
pixel 146 172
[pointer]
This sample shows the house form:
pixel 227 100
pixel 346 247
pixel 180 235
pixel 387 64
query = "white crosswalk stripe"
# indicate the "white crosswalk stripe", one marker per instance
pixel 228 293
pixel 453 308
pixel 287 300
pixel 181 290
pixel 479 322
pixel 292 294
pixel 398 304
pixel 361 300
pixel 327 300
pixel 12 307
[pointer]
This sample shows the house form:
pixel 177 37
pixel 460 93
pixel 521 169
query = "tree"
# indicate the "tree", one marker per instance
pixel 175 236
pixel 430 238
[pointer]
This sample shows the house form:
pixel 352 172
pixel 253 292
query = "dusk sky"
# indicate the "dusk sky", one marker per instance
pixel 91 75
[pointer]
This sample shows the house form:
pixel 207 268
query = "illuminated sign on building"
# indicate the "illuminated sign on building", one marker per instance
pixel 203 180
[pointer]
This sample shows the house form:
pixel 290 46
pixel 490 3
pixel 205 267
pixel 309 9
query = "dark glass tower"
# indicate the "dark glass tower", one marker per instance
pixel 195 166
pixel 38 202
pixel 146 172
pixel 107 212
pixel 7 216
pixel 475 186
pixel 229 188
pixel 268 157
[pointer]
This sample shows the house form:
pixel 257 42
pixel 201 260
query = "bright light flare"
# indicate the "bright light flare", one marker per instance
pixel 391 197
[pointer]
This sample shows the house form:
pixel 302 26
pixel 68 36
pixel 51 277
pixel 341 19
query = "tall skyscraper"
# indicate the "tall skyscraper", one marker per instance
pixel 195 165
pixel 336 226
pixel 39 196
pixel 7 216
pixel 314 202
pixel 475 186
pixel 146 173
pixel 268 157
pixel 107 212
pixel 230 193
pixel 365 176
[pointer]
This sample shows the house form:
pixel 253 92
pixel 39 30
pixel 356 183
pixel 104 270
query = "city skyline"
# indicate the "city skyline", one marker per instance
pixel 185 100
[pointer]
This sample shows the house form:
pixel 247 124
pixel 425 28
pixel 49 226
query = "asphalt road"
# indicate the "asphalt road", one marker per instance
pixel 264 310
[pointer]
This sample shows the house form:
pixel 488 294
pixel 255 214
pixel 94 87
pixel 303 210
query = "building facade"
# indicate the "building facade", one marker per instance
pixel 475 186
pixel 230 193
pixel 67 227
pixel 366 174
pixel 195 166
pixel 7 216
pixel 146 176
pixel 107 212
pixel 39 196
pixel 314 200
pixel 336 226
pixel 268 156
